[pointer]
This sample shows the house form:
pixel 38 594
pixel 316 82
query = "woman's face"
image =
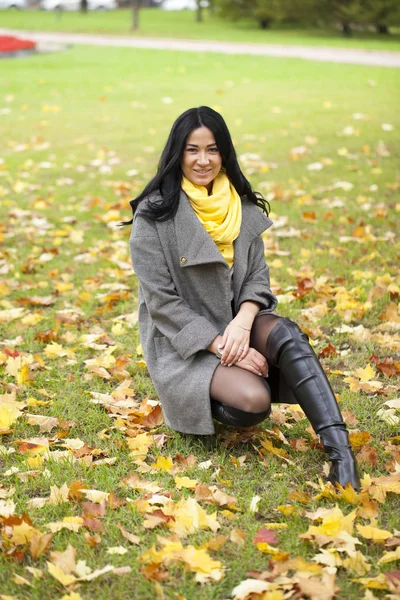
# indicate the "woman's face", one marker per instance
pixel 201 160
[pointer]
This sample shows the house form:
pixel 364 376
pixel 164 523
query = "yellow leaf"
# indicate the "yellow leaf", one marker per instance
pixel 189 517
pixel 373 533
pixel 10 410
pixel 71 523
pixel 199 560
pixel 35 462
pixel 117 550
pixel 286 509
pixel 364 374
pixel 95 495
pixel 59 495
pixel 377 583
pixel 140 444
pixel 72 596
pixel 20 580
pixel 357 564
pixel 390 556
pixel 163 463
pixel 58 573
pixel 185 482
pixel 238 536
pixel 333 522
pixel 54 350
pixel 21 534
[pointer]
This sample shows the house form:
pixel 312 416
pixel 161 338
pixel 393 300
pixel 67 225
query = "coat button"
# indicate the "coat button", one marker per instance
pixel 183 260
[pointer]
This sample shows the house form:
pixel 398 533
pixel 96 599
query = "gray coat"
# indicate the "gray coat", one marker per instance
pixel 185 302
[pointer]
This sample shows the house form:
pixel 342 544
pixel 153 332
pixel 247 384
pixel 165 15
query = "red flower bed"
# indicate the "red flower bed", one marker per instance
pixel 10 43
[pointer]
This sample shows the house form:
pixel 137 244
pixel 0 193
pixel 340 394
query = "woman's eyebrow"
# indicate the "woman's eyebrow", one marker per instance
pixel 196 146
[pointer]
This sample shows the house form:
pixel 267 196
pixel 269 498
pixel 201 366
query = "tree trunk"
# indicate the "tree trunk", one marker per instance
pixel 382 29
pixel 84 6
pixel 264 23
pixel 347 30
pixel 199 12
pixel 135 14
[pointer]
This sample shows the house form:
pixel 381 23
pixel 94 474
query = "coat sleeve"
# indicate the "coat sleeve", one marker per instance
pixel 256 286
pixel 187 331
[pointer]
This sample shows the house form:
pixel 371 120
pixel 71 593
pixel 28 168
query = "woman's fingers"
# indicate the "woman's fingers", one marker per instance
pixel 232 355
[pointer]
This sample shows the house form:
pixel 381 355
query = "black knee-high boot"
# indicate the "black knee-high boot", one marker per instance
pixel 228 415
pixel 288 349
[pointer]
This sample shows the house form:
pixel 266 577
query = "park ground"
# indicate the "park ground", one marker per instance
pixel 88 470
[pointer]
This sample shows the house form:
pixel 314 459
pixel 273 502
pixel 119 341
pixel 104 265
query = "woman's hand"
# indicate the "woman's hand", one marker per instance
pixel 235 342
pixel 236 339
pixel 254 362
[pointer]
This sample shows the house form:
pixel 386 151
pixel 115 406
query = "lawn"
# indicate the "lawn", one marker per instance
pixel 81 431
pixel 181 24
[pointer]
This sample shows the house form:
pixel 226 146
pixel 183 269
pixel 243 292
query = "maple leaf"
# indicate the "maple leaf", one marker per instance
pixel 373 533
pixel 163 463
pixel 265 536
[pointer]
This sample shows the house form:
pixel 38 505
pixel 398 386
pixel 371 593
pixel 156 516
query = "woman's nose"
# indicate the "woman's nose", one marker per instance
pixel 202 158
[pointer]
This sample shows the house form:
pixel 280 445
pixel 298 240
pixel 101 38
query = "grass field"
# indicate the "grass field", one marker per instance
pixel 181 24
pixel 82 131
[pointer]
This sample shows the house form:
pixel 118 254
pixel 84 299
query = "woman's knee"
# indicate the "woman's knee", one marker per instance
pixel 256 399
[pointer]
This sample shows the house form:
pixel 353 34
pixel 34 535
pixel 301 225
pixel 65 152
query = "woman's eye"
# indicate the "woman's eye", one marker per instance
pixel 213 149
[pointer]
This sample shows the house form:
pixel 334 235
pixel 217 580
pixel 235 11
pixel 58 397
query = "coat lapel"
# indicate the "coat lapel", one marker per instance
pixel 196 246
pixel 254 222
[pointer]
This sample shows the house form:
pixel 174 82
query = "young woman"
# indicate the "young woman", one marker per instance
pixel 214 346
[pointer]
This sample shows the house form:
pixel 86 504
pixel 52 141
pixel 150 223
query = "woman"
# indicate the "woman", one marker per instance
pixel 213 344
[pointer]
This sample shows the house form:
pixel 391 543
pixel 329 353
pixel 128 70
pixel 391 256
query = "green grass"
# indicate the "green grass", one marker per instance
pixel 69 109
pixel 181 24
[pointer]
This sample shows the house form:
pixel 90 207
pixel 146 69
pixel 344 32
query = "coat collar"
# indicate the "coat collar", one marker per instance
pixel 196 246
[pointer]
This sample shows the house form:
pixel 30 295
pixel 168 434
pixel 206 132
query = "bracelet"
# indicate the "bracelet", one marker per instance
pixel 241 326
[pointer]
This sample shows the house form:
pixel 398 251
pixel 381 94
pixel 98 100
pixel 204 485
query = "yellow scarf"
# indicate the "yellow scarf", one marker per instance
pixel 220 213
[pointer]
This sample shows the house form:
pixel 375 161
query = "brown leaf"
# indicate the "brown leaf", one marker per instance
pixel 369 509
pixel 304 287
pixel 115 502
pixel 367 456
pixel 94 509
pixel 75 490
pixel 154 572
pixel 93 524
pixel 133 539
pixel 392 543
pixel 216 543
pixel 37 300
pixel 92 540
pixel 154 419
pixel 300 444
pixel 329 350
pixel 39 544
pixel 393 578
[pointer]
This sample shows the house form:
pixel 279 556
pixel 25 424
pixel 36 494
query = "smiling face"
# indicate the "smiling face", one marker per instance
pixel 201 160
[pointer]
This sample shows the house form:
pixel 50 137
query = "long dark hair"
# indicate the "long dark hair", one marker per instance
pixel 167 181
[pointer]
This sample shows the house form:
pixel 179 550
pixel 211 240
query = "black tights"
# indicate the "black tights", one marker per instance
pixel 239 397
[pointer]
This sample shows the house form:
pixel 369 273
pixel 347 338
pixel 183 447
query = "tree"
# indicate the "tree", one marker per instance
pixel 264 11
pixel 344 12
pixel 199 11
pixel 135 14
pixel 84 6
pixel 383 13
